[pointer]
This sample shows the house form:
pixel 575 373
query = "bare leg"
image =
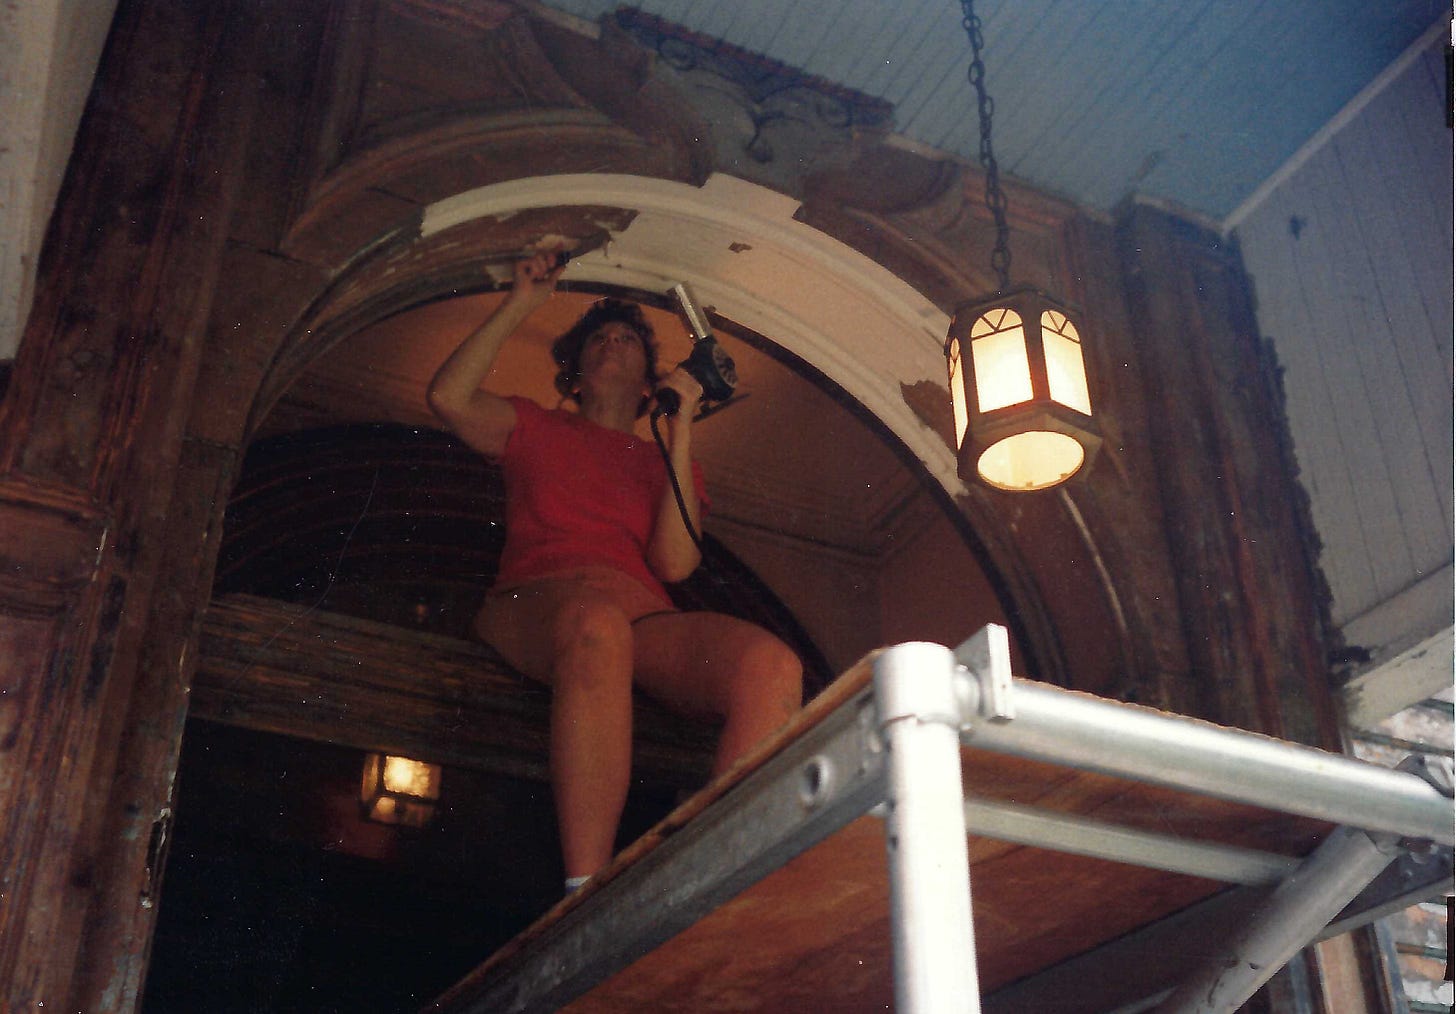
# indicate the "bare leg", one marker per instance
pixel 708 663
pixel 591 731
pixel 576 636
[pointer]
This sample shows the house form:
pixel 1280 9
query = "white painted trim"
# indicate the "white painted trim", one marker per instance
pixel 1337 123
pixel 1410 615
pixel 725 201
pixel 863 327
pixel 1412 676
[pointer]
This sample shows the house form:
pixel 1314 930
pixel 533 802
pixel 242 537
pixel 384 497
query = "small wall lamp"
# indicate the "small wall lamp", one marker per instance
pixel 1018 383
pixel 398 790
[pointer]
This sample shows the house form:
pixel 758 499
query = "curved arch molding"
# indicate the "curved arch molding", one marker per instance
pixel 740 249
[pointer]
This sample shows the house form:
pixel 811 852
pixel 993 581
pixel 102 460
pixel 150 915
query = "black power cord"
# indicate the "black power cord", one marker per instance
pixel 682 507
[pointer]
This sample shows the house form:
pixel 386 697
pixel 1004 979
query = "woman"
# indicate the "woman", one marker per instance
pixel 592 531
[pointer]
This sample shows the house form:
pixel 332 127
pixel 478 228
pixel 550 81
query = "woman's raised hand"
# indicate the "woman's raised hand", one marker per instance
pixel 534 278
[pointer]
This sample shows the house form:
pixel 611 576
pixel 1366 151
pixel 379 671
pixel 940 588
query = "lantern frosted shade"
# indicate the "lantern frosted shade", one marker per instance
pixel 398 790
pixel 1019 391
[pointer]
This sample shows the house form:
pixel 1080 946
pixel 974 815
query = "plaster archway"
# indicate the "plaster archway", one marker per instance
pixel 875 340
pixel 740 248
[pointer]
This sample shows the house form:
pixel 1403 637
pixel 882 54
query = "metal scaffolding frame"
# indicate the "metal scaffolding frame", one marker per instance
pixel 894 748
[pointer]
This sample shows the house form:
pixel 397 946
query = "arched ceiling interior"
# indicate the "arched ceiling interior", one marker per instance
pixel 796 461
pixel 746 260
pixel 782 444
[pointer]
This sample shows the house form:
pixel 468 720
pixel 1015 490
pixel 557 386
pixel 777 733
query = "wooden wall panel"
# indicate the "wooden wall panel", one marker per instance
pixel 29 642
pixel 1233 525
pixel 92 430
pixel 1351 259
pixel 145 736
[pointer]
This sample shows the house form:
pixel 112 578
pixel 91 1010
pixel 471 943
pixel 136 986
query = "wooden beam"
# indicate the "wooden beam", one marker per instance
pixel 282 668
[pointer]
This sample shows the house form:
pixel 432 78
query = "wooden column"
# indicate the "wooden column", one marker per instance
pixel 97 502
pixel 1237 532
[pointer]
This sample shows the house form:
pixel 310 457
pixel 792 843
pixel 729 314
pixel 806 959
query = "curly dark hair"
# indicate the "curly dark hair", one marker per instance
pixel 567 349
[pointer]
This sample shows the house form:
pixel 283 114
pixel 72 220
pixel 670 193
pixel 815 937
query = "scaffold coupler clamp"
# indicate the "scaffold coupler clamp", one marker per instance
pixel 1438 771
pixel 984 685
pixel 916 682
pixel 1439 774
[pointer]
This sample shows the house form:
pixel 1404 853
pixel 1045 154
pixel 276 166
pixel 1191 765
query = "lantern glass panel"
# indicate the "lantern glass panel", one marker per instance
pixel 1066 372
pixel 398 790
pixel 403 812
pixel 1032 460
pixel 958 392
pixel 998 354
pixel 411 777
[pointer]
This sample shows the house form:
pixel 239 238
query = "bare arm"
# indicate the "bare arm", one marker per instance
pixel 671 553
pixel 484 420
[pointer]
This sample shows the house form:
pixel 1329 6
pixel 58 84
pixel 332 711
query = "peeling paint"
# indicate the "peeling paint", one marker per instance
pixel 930 402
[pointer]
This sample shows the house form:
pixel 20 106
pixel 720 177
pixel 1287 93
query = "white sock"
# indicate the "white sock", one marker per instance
pixel 572 883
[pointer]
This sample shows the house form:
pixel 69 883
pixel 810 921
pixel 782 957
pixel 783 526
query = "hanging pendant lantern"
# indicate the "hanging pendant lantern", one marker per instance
pixel 1018 380
pixel 1018 376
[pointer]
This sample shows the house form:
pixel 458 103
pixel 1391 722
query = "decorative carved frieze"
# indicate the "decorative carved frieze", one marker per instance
pixel 770 122
pixel 395 127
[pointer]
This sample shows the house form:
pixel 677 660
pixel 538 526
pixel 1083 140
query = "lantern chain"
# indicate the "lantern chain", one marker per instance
pixel 995 199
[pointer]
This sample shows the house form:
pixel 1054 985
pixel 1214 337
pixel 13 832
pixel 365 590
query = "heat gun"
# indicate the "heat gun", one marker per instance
pixel 709 363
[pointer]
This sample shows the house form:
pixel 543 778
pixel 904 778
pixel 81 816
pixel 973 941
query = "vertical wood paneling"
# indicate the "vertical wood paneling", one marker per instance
pixel 1418 101
pixel 1404 323
pixel 1358 305
pixel 1336 432
pixel 898 31
pixel 760 32
pixel 1371 411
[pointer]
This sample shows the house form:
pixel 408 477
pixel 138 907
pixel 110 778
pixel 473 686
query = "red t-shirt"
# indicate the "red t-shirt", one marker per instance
pixel 578 494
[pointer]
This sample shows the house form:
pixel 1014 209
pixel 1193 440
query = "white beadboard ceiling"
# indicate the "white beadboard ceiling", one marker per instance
pixel 1192 101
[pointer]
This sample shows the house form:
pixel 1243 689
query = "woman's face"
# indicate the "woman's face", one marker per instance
pixel 615 349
